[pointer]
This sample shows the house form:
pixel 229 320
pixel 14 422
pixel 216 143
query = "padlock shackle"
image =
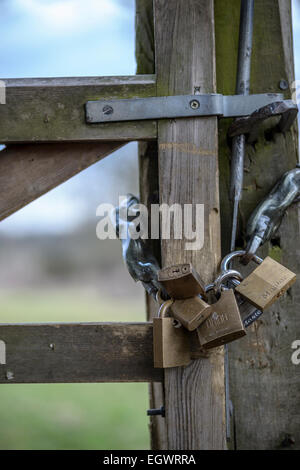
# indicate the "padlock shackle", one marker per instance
pixel 164 308
pixel 158 297
pixel 230 273
pixel 237 254
pixel 209 288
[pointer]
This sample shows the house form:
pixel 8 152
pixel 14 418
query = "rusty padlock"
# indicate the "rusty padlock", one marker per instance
pixel 266 283
pixel 181 281
pixel 171 345
pixel 224 323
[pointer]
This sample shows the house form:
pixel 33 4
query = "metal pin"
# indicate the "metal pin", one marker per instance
pixel 242 88
pixel 156 412
pixel 238 151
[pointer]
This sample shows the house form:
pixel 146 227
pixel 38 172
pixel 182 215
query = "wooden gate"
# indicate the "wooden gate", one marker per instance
pixel 194 49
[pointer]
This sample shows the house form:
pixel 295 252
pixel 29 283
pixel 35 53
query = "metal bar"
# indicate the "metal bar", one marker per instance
pixel 168 107
pixel 154 108
pixel 245 47
pixel 242 88
pixel 238 145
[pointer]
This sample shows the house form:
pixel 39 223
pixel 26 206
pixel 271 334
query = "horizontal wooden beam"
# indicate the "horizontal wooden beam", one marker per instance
pixel 30 170
pixel 53 109
pixel 78 352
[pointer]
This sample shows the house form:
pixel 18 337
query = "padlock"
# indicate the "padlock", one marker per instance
pixel 191 312
pixel 181 281
pixel 224 324
pixel 171 345
pixel 266 283
pixel 249 313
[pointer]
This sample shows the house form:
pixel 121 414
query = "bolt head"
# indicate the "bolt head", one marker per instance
pixel 194 104
pixel 107 110
pixel 283 85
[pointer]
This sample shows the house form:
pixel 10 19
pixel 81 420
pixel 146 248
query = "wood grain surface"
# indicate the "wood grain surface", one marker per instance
pixel 79 352
pixel 53 109
pixel 188 174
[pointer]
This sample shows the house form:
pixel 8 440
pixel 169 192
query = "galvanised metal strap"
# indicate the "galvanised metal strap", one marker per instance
pixel 177 106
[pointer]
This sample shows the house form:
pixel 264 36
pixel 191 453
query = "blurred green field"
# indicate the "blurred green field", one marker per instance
pixel 72 416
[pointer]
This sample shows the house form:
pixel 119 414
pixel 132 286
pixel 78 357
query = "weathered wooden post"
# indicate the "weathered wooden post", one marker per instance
pixel 262 374
pixel 264 386
pixel 178 165
pixel 149 193
pixel 194 397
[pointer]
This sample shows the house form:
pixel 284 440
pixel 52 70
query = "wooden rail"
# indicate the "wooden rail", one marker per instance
pixel 53 109
pixel 77 352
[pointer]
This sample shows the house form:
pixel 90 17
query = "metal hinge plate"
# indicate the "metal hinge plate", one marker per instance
pixel 179 106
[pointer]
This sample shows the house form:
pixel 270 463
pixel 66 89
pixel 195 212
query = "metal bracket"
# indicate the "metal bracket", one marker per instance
pixel 250 125
pixel 170 107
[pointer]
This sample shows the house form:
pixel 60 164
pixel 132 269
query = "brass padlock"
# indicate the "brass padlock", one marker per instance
pixel 191 312
pixel 181 281
pixel 171 345
pixel 224 324
pixel 266 283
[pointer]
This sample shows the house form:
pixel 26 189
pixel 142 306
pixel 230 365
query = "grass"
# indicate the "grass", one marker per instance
pixel 71 416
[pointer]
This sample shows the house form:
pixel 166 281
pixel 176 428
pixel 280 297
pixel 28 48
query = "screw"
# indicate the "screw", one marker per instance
pixel 156 412
pixel 283 84
pixel 51 346
pixel 108 109
pixel 194 104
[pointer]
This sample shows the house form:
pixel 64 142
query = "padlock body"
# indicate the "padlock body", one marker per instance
pixel 181 281
pixel 224 324
pixel 171 346
pixel 266 283
pixel 191 312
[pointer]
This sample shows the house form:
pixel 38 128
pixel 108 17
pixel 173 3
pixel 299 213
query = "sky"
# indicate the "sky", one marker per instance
pixel 48 38
pixel 44 38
